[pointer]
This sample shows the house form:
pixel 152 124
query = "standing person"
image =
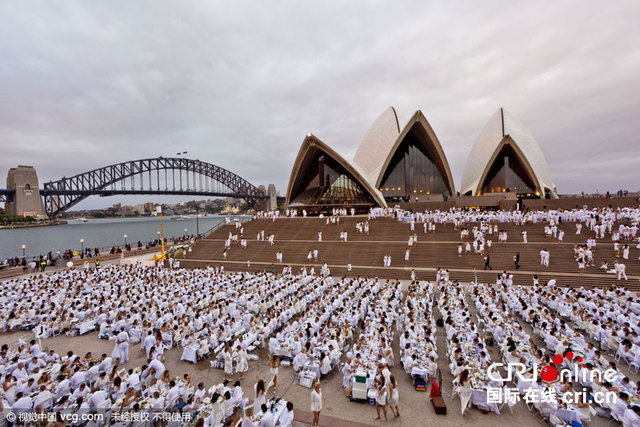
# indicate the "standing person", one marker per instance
pixel 487 262
pixel 243 364
pixel 121 349
pixel 316 403
pixel 260 394
pixel 393 400
pixel 621 270
pixel 464 390
pixel 381 398
pixel 460 249
pixel 524 236
pixel 406 254
pixel 228 362
pixel 625 252
pixel 516 260
pixel 274 363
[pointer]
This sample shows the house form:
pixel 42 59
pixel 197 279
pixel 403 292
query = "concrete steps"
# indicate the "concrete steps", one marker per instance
pixel 295 237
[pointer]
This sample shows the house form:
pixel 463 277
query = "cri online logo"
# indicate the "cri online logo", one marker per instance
pixel 549 373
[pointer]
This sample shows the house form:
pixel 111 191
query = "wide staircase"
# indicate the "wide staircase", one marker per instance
pixel 295 237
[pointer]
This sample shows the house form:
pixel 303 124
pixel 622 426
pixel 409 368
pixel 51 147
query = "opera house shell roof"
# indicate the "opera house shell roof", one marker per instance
pixel 323 178
pixel 506 157
pixel 397 164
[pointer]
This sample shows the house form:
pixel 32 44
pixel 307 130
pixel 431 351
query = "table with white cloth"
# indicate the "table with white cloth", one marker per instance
pixel 190 354
pixel 419 372
pixel 278 410
pixel 280 352
pixel 314 367
pixel 87 326
pixel 567 414
pixel 479 399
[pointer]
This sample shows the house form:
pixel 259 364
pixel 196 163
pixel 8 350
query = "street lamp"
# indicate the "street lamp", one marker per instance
pixel 185 231
pixel 82 243
pixel 24 248
pixel 125 240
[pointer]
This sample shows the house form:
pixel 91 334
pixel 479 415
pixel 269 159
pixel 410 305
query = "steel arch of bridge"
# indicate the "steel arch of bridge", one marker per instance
pixel 62 194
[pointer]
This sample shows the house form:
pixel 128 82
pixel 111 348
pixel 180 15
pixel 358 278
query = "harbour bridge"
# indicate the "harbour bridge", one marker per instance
pixel 156 176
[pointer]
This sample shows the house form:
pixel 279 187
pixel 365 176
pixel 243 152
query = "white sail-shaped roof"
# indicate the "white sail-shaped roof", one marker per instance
pixel 311 143
pixel 501 129
pixel 377 143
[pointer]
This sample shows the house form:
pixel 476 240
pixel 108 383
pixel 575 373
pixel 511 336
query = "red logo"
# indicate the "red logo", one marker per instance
pixel 550 373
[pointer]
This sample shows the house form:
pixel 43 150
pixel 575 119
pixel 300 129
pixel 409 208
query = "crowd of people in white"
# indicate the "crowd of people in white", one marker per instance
pixel 312 320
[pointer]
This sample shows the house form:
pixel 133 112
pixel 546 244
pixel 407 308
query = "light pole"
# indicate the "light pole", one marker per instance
pixel 24 248
pixel 82 243
pixel 185 231
pixel 125 240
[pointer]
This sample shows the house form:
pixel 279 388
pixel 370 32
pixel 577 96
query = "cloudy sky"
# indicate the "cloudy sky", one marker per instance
pixel 239 84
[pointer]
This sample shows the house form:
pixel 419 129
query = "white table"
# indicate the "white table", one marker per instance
pixel 190 354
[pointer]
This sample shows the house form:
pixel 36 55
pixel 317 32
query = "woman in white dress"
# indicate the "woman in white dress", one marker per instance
pixel 243 364
pixel 274 363
pixel 316 403
pixel 228 363
pixel 260 394
pixel 464 390
pixel 393 399
pixel 381 398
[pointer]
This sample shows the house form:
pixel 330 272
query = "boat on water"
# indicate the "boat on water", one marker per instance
pixel 180 218
pixel 82 220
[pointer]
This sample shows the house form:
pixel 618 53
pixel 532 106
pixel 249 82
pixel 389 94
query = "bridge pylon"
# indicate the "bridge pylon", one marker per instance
pixel 26 200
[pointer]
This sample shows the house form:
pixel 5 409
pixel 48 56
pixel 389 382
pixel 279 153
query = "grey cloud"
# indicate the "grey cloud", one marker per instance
pixel 239 84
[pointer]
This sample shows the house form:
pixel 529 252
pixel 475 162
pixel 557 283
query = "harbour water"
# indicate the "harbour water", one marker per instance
pixel 99 233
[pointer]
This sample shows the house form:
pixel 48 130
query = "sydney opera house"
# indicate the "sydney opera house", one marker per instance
pixel 396 164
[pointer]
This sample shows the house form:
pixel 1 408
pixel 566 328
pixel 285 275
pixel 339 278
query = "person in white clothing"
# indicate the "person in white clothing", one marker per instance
pixel 228 363
pixel 121 349
pixel 286 418
pixel 393 397
pixel 316 403
pixel 620 268
pixel 243 364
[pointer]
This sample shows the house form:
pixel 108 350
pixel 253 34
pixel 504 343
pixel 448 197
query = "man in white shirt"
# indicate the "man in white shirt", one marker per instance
pixel 286 418
pixel 148 342
pixel 79 377
pixel 173 394
pixel 23 404
pixel 44 398
pixel 97 399
pixel 267 417
pixel 631 416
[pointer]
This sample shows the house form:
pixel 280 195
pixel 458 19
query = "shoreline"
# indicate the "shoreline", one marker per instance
pixel 48 224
